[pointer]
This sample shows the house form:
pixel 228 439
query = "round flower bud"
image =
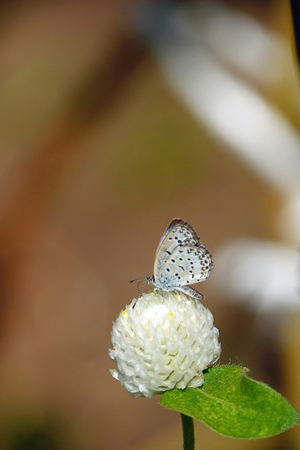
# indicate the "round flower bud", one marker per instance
pixel 163 340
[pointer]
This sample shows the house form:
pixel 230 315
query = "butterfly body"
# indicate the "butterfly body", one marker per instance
pixel 181 260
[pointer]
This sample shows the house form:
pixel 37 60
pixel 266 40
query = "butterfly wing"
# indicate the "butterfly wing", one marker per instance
pixel 181 258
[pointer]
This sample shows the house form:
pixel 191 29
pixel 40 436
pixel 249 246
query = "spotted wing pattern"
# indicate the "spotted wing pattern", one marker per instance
pixel 181 259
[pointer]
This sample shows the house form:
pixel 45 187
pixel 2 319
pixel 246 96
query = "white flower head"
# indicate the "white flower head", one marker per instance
pixel 161 341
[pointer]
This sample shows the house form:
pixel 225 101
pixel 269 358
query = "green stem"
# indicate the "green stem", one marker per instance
pixel 188 432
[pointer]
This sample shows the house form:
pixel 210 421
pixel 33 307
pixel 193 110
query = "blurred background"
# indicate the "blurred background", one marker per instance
pixel 116 117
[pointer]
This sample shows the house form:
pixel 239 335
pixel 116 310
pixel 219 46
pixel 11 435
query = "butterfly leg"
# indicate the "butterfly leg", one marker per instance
pixel 191 292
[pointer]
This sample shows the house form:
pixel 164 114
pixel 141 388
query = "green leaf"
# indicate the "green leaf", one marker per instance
pixel 234 405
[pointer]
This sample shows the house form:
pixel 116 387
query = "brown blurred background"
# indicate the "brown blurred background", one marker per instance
pixel 98 155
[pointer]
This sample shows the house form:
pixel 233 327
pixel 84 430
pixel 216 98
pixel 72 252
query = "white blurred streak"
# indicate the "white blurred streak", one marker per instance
pixel 238 115
pixel 263 275
pixel 237 39
pixel 231 109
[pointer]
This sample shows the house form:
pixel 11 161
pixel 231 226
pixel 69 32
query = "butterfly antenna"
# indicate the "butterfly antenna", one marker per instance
pixel 139 292
pixel 131 281
pixel 143 288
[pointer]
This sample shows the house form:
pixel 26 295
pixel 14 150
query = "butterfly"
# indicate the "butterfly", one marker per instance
pixel 180 260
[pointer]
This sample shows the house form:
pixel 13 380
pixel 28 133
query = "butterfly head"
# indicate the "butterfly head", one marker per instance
pixel 150 279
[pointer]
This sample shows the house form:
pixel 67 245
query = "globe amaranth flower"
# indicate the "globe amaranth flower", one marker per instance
pixel 162 341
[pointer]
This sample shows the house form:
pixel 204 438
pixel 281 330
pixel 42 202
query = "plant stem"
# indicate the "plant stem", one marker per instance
pixel 188 432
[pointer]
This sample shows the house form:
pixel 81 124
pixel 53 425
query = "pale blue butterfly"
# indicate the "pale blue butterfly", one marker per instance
pixel 181 259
